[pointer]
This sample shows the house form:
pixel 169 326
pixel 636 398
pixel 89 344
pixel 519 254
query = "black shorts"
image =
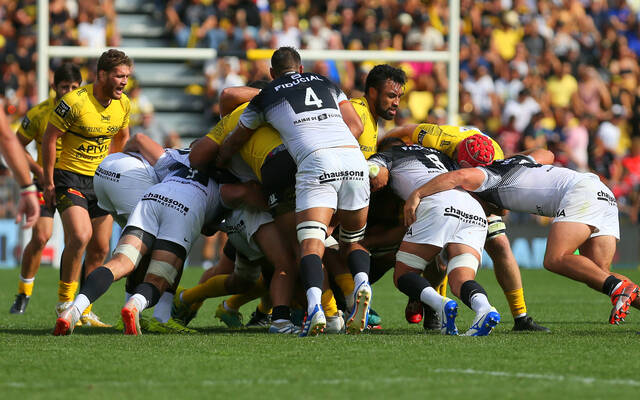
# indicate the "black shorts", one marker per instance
pixel 76 190
pixel 45 212
pixel 279 181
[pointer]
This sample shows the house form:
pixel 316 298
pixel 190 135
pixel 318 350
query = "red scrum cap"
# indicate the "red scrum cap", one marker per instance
pixel 476 150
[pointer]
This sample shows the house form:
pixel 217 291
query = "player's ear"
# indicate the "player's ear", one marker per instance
pixel 271 73
pixel 301 69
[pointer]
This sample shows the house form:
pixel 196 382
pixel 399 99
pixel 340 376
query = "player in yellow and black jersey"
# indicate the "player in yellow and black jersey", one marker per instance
pixel 456 142
pixel 92 122
pixel 66 78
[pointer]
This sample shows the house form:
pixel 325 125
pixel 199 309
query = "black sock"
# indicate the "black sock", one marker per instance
pixel 610 284
pixel 279 312
pixel 412 284
pixel 468 289
pixel 150 292
pixel 97 283
pixel 378 268
pixel 359 261
pixel 311 271
pixel 82 272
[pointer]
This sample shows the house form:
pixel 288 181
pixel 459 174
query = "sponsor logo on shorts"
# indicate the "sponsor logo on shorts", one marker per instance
pixel 465 216
pixel 75 192
pixel 108 175
pixel 167 202
pixel 410 231
pixel 341 176
pixel 272 200
pixel 62 109
pixel 560 213
pixel 604 196
pixel 320 117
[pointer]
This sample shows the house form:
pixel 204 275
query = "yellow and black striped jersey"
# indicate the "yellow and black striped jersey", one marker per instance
pixel 88 128
pixel 445 138
pixel 369 139
pixel 35 123
pixel 257 148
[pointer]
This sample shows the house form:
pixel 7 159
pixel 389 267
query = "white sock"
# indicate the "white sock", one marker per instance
pixel 480 303
pixel 359 278
pixel 314 295
pixel 162 310
pixel 25 280
pixel 140 301
pixel 206 264
pixel 430 297
pixel 127 296
pixel 81 302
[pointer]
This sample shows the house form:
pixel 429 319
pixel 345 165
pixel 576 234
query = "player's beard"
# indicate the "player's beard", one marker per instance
pixel 385 113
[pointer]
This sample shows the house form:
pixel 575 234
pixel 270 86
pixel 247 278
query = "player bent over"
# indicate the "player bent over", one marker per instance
pixel 165 223
pixel 451 226
pixel 584 212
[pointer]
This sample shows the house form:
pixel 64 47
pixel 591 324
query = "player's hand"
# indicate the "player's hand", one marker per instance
pixel 410 207
pixel 49 194
pixel 30 207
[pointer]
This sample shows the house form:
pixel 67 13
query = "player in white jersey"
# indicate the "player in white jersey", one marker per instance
pixel 451 226
pixel 584 212
pixel 318 126
pixel 165 223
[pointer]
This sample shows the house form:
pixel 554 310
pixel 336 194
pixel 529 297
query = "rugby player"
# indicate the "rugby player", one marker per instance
pixel 310 112
pixel 451 226
pixel 92 120
pixel 459 143
pixel 28 209
pixel 584 212
pixel 65 79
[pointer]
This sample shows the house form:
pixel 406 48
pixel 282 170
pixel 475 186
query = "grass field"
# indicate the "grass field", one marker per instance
pixel 583 357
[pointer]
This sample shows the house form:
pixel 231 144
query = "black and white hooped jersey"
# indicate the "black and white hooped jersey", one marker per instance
pixel 412 166
pixel 518 183
pixel 305 109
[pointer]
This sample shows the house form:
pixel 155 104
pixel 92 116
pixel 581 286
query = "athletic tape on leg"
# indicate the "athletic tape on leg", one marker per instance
pixel 130 252
pixel 411 260
pixel 331 243
pixel 465 260
pixel 352 236
pixel 311 230
pixel 496 227
pixel 163 270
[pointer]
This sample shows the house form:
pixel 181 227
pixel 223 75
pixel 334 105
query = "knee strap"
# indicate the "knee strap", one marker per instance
pixel 311 230
pixel 465 260
pixel 496 227
pixel 352 236
pixel 130 252
pixel 163 270
pixel 411 260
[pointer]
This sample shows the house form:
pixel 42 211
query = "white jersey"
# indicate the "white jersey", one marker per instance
pixel 520 184
pixel 412 166
pixel 120 181
pixel 304 108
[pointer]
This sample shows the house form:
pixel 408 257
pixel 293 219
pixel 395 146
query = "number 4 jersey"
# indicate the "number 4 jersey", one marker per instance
pixel 304 108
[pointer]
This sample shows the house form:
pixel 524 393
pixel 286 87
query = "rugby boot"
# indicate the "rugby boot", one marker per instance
pixel 314 323
pixel 233 319
pixel 527 324
pixel 621 300
pixel 430 319
pixel 448 314
pixel 413 311
pixel 284 327
pixel 131 318
pixel 20 304
pixel 484 323
pixel 357 320
pixel 259 320
pixel 91 319
pixel 66 321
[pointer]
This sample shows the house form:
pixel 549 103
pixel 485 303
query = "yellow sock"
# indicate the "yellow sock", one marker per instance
pixel 87 310
pixel 516 302
pixel 213 287
pixel 345 283
pixel 442 287
pixel 238 300
pixel 66 291
pixel 329 303
pixel 25 288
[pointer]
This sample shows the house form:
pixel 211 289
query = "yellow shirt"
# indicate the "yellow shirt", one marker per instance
pixel 369 138
pixel 446 138
pixel 506 41
pixel 257 148
pixel 88 127
pixel 35 123
pixel 561 90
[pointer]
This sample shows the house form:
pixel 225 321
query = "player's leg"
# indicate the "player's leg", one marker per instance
pixel 508 275
pixel 133 244
pixel 411 261
pixel 462 265
pixel 40 235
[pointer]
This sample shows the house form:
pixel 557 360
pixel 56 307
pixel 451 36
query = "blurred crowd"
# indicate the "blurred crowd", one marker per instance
pixel 561 74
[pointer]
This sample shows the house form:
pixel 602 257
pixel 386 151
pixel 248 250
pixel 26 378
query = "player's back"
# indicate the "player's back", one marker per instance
pixel 519 183
pixel 304 109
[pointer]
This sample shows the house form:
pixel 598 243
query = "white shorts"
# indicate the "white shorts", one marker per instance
pixel 590 202
pixel 120 181
pixel 171 212
pixel 447 217
pixel 335 178
pixel 240 226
